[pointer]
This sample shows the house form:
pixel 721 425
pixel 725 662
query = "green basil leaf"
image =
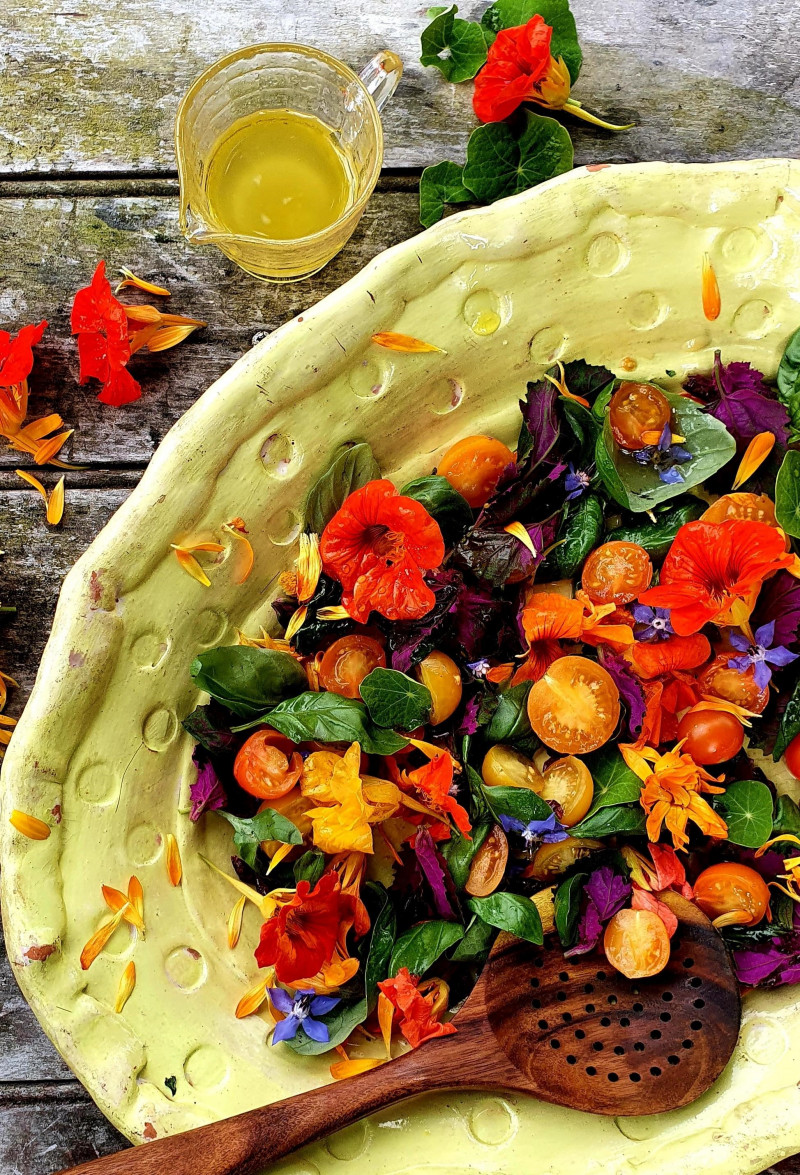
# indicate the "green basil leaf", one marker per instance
pixel 351 467
pixel 381 944
pixel 440 184
pixel 420 947
pixel 454 46
pixel 341 1022
pixel 518 802
pixel 476 942
pixel 787 817
pixel 393 699
pixel 504 158
pixel 614 782
pixel 509 722
pixel 309 867
pixel 578 535
pixel 610 821
pixel 246 680
pixel 458 852
pixel 742 938
pixel 790 723
pixel 507 14
pixel 567 908
pixel 746 807
pixel 638 487
pixel 444 504
pixel 480 811
pixel 787 494
pixel 511 912
pixel 329 718
pixel 657 537
pixel 267 825
pixel 789 384
pixel 587 380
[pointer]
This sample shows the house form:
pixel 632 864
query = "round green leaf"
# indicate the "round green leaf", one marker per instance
pixel 455 47
pixel 395 700
pixel 787 494
pixel 504 158
pixel 746 807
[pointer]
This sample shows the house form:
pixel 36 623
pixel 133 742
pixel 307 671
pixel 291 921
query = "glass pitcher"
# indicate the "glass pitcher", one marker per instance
pixel 296 79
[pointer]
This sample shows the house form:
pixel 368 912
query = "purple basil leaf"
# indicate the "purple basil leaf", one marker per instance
pixel 206 793
pixel 779 600
pixel 434 871
pixel 630 689
pixel 540 424
pixel 590 928
pixel 496 557
pixel 754 966
pixel 735 393
pixel 608 890
pixel 478 620
pixel 469 719
pixel 410 641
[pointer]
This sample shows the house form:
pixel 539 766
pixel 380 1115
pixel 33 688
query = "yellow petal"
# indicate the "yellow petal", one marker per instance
pixel 173 858
pixel 712 303
pixel 235 922
pixel 279 855
pixel 32 481
pixel 755 454
pixel 130 279
pixel 405 343
pixel 30 826
pixel 519 532
pixel 136 896
pixel 170 336
pixel 125 987
pixel 144 315
pixel 385 1019
pixel 48 449
pixel 309 567
pixel 253 998
pixel 191 566
pixel 296 622
pixel 266 904
pixel 55 503
pixel 333 612
pixel 709 702
pixel 120 903
pixel 573 107
pixel 98 940
pixel 245 558
pixel 340 1070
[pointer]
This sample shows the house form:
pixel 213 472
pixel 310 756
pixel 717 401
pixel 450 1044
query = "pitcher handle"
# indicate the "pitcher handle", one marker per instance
pixel 381 76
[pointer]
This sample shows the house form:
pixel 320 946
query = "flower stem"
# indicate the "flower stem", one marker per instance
pixel 573 106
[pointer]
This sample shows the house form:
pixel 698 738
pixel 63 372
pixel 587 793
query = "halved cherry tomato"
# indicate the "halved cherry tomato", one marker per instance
pixel 443 678
pixel 792 756
pixel 504 767
pixel 551 860
pixel 731 894
pixel 636 943
pixel 488 865
pixel 293 806
pixel 569 782
pixel 348 661
pixel 712 736
pixel 574 706
pixel 722 681
pixel 267 766
pixel 616 573
pixel 749 507
pixel 637 414
pixel 473 467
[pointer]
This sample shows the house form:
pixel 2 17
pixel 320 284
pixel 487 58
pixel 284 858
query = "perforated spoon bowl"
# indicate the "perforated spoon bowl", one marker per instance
pixel 574 1032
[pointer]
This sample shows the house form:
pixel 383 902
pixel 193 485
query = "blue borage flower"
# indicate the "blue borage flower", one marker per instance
pixel 576 482
pixel 300 1009
pixel 760 654
pixel 656 621
pixel 536 832
pixel 664 457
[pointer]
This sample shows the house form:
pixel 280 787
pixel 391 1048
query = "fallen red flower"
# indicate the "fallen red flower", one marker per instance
pixel 16 356
pixel 301 936
pixel 101 324
pixel 520 68
pixel 416 1018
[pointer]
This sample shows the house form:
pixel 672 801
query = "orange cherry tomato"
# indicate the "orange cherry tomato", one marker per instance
pixel 293 806
pixel 473 467
pixel 574 706
pixel 569 782
pixel 711 736
pixel 749 507
pixel 721 681
pixel 552 860
pixel 348 661
pixel 267 766
pixel 731 894
pixel 504 767
pixel 443 678
pixel 792 756
pixel 636 943
pixel 637 414
pixel 488 865
pixel 616 573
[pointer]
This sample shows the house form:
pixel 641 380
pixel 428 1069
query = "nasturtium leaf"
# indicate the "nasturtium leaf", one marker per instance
pixel 787 494
pixel 458 851
pixel 578 535
pixel 454 46
pixel 512 912
pixel 507 14
pixel 518 802
pixel 567 908
pixel 328 718
pixel 341 1022
pixel 509 722
pixel 614 782
pixel 309 867
pixel 441 184
pixel 395 700
pixel 610 821
pixel 246 680
pixel 657 537
pixel 746 807
pixel 787 817
pixel 504 158
pixel 267 825
pixel 789 385
pixel 638 487
pixel 351 467
pixel 790 723
pixel 474 946
pixel 420 947
pixel 444 504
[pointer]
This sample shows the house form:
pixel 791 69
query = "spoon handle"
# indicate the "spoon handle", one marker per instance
pixel 247 1143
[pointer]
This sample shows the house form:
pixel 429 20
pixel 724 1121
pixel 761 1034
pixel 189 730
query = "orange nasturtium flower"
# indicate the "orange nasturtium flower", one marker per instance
pixel 550 618
pixel 377 545
pixel 433 781
pixel 714 571
pixel 417 1014
pixel 671 795
pixel 302 935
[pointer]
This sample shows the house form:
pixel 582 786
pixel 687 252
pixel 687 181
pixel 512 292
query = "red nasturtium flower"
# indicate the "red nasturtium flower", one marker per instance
pixel 301 936
pixel 16 356
pixel 433 781
pixel 520 68
pixel 101 324
pixel 377 546
pixel 714 572
pixel 416 1018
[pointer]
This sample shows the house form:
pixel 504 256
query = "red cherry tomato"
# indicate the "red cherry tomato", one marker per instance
pixel 574 706
pixel 792 756
pixel 348 661
pixel 616 573
pixel 473 467
pixel 732 894
pixel 712 736
pixel 267 766
pixel 637 414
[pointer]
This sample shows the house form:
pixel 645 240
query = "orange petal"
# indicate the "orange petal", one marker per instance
pixel 48 449
pixel 125 987
pixel 519 532
pixel 181 320
pixel 120 903
pixel 309 567
pixel 191 566
pixel 55 503
pixel 235 922
pixel 30 826
pixel 173 858
pixel 170 336
pixel 252 999
pixel 32 481
pixel 406 343
pixel 98 940
pixel 130 279
pixel 385 1018
pixel 37 429
pixel 136 896
pixel 245 557
pixel 296 622
pixel 755 454
pixel 143 315
pixel 340 1070
pixel 712 303
pixel 279 855
pixel 333 612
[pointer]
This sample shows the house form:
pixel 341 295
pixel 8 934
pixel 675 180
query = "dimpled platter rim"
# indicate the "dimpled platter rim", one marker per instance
pixel 604 264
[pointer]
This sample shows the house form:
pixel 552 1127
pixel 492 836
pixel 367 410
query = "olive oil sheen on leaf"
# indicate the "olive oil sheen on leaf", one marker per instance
pixel 278 174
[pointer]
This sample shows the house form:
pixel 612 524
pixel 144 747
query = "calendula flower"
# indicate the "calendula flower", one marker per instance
pixel 416 1013
pixel 760 653
pixel 671 795
pixel 377 546
pixel 301 935
pixel 713 572
pixel 299 1011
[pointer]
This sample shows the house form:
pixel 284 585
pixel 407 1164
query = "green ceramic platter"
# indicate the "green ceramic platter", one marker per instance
pixel 602 264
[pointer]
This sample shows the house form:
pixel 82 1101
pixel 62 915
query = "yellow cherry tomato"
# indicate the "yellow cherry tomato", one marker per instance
pixel 473 467
pixel 569 782
pixel 504 767
pixel 443 678
pixel 636 943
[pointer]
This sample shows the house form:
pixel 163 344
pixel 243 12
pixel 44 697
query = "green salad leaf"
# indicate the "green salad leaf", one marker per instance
pixel 520 803
pixel 441 184
pixel 351 467
pixel 504 158
pixel 509 722
pixel 507 14
pixel 611 821
pixel 454 46
pixel 578 535
pixel 614 782
pixel 789 385
pixel 246 680
pixel 329 718
pixel 790 723
pixel 444 504
pixel 395 700
pixel 567 908
pixel 341 1022
pixel 657 537
pixel 746 807
pixel 787 494
pixel 476 942
pixel 267 825
pixel 787 817
pixel 511 912
pixel 458 851
pixel 420 947
pixel 309 867
pixel 381 944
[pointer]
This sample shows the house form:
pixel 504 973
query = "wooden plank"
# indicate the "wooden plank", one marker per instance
pixel 45 1128
pixel 96 88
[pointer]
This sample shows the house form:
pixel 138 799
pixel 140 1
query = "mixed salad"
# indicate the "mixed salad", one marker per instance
pixel 530 691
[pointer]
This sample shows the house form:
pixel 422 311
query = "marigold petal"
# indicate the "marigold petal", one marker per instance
pixel 280 854
pixel 55 503
pixel 48 449
pixel 173 861
pixel 333 612
pixel 125 986
pixel 235 922
pixel 98 940
pixel 170 336
pixel 296 622
pixel 245 557
pixel 146 315
pixel 755 454
pixel 405 343
pixel 136 896
pixel 712 302
pixel 519 532
pixel 130 279
pixel 340 1070
pixel 32 481
pixel 30 826
pixel 191 566
pixel 254 997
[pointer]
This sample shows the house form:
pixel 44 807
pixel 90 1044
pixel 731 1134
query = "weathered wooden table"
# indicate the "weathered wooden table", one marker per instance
pixel 87 99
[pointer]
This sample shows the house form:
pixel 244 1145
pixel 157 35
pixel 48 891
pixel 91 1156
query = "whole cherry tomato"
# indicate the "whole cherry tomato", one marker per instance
pixel 574 706
pixel 792 756
pixel 616 573
pixel 348 661
pixel 488 865
pixel 473 467
pixel 267 766
pixel 731 894
pixel 712 736
pixel 637 414
pixel 569 782
pixel 724 682
pixel 443 678
pixel 636 943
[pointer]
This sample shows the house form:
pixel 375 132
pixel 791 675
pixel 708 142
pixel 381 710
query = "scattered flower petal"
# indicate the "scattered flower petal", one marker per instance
pixel 30 826
pixel 130 279
pixel 125 987
pixel 755 454
pixel 98 940
pixel 712 303
pixel 405 343
pixel 173 859
pixel 235 922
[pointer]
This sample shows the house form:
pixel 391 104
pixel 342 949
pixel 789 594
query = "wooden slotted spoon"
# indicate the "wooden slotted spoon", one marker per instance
pixel 573 1032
